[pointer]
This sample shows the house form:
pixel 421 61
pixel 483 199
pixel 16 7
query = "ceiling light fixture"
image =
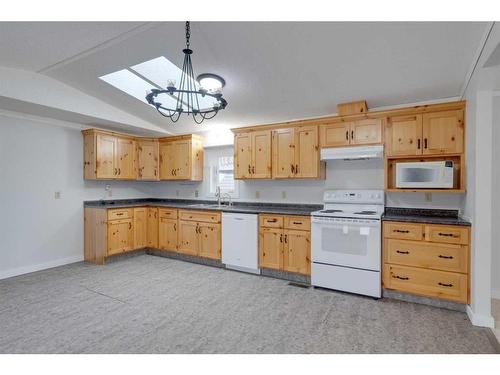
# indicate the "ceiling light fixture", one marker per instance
pixel 211 82
pixel 189 95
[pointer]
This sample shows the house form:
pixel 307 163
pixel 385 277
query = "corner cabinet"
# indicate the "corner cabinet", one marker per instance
pixel 181 158
pixel 108 156
pixel 148 160
pixel 252 155
pixel 296 153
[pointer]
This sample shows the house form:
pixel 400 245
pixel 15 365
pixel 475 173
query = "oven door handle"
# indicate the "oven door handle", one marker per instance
pixel 340 225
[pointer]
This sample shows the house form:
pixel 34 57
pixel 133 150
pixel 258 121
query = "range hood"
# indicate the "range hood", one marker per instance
pixel 352 153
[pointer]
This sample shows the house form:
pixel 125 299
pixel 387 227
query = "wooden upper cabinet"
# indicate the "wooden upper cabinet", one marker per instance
pixel 335 135
pixel 125 158
pixel 443 132
pixel 252 155
pixel 105 156
pixel 307 163
pixel 242 156
pixel 283 162
pixel 148 160
pixel 403 136
pixel 366 132
pixel 181 158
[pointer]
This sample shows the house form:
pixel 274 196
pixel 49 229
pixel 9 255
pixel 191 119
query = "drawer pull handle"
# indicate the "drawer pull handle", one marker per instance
pixel 445 256
pixel 401 231
pixel 447 234
pixel 272 220
pixel 446 285
pixel 401 277
pixel 297 223
pixel 402 252
pixel 119 214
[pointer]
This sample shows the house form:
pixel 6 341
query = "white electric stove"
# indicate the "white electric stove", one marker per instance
pixel 346 241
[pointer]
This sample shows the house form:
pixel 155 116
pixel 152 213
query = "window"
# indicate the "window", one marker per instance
pixel 222 175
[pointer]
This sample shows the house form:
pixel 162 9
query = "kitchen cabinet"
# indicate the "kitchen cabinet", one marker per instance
pixel 284 243
pixel 120 233
pixel 140 227
pixel 427 259
pixel 148 160
pixel 351 133
pixel 108 156
pixel 181 158
pixel 200 233
pixel 434 133
pixel 152 232
pixel 296 153
pixel 252 155
pixel 167 229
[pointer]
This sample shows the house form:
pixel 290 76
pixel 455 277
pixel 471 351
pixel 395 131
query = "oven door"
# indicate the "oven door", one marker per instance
pixel 346 242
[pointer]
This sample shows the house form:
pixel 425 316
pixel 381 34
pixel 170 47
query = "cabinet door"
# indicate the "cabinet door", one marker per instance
pixel 368 131
pixel 283 162
pixel 443 132
pixel 306 152
pixel 188 237
pixel 404 135
pixel 140 227
pixel 335 135
pixel 210 240
pixel 120 236
pixel 271 248
pixel 147 160
pixel 182 157
pixel 297 251
pixel 125 159
pixel 167 161
pixel 243 155
pixel 106 156
pixel 152 227
pixel 167 234
pixel 261 154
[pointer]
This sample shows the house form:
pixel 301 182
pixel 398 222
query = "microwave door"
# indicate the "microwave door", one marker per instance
pixel 419 176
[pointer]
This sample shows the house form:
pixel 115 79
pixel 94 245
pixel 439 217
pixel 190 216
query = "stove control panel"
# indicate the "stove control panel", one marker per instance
pixel 354 196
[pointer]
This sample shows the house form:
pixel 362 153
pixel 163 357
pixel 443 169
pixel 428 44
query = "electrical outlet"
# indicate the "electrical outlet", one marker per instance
pixel 428 197
pixel 257 194
pixel 57 195
pixel 196 193
pixel 177 193
pixel 283 194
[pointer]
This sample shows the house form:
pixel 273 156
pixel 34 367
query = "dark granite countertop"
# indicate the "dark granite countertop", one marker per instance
pixel 424 215
pixel 237 207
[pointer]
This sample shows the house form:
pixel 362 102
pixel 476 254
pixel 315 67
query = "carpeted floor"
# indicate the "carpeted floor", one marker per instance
pixel 148 304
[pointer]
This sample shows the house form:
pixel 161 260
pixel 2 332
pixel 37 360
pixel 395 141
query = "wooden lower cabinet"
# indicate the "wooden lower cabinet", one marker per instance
pixel 167 234
pixel 152 233
pixel 427 259
pixel 281 246
pixel 140 227
pixel 200 234
pixel 120 236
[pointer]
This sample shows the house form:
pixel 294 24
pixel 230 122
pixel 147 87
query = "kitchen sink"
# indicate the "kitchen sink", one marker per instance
pixel 207 205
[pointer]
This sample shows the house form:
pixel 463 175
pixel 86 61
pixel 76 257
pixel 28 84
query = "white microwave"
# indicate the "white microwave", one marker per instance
pixel 426 174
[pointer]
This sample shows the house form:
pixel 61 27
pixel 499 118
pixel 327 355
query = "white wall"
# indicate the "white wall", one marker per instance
pixel 495 224
pixel 38 231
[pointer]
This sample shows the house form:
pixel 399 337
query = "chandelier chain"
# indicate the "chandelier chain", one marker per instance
pixel 188 33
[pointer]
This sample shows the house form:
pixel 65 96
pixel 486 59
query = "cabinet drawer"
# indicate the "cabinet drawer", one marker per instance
pixel 404 231
pixel 447 234
pixel 271 221
pixel 120 213
pixel 427 255
pixel 445 285
pixel 167 213
pixel 203 216
pixel 298 222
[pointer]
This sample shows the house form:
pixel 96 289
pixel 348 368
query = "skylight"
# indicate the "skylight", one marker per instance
pixel 138 80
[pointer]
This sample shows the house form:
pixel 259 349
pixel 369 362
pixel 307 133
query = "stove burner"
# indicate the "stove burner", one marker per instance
pixel 365 213
pixel 330 211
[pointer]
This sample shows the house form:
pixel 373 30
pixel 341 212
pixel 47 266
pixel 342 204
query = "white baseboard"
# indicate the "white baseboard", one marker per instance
pixel 495 294
pixel 38 267
pixel 480 320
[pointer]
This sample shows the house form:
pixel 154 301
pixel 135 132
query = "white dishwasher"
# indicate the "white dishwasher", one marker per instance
pixel 240 242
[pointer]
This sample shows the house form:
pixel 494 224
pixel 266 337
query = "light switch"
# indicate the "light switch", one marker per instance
pixel 283 194
pixel 57 195
pixel 257 194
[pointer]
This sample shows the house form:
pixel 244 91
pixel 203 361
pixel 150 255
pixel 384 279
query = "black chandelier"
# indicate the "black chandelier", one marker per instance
pixel 187 98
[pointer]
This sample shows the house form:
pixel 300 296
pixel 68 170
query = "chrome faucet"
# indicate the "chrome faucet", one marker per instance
pixel 222 197
pixel 228 196
pixel 217 194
